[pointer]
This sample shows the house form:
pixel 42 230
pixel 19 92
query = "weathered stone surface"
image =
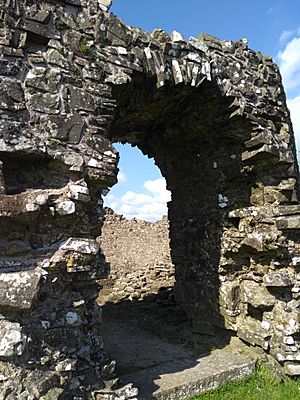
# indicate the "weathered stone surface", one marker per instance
pixel 11 340
pixel 161 35
pixel 278 279
pixel 177 37
pixel 105 4
pixel 213 115
pixel 18 289
pixel 43 79
pixel 256 295
pixel 252 332
pixel 85 246
pixel 45 103
pixel 188 379
pixel 292 369
pixel 288 222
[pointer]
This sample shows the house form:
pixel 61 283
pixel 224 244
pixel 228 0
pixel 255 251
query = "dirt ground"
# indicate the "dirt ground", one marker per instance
pixel 141 334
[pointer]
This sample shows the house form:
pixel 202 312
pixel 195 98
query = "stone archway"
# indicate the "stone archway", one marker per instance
pixel 213 114
pixel 183 129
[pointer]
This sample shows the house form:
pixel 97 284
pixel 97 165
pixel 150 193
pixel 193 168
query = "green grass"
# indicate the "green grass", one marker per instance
pixel 258 386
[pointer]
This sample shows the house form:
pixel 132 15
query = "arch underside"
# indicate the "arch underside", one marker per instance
pixel 212 114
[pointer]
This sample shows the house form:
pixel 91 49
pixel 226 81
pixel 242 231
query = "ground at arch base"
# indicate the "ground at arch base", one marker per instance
pixel 155 350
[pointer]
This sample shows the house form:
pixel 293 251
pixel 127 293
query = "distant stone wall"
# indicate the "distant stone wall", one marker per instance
pixel 138 253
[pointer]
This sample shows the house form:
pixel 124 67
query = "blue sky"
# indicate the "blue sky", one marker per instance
pixel 272 27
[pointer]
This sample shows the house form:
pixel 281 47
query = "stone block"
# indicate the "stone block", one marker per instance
pixel 211 41
pixel 230 295
pixel 39 16
pixel 256 294
pixel 250 331
pixel 277 279
pixel 43 79
pixel 161 35
pixel 79 192
pixel 105 4
pixel 44 103
pixel 18 289
pixel 255 241
pixel 177 37
pixel 82 245
pixel 198 44
pixel 5 37
pixel 53 394
pixel 11 339
pixel 287 210
pixel 263 153
pixel 81 100
pixel 292 369
pixel 264 137
pixel 11 95
pixel 65 207
pixel 54 57
pixel 39 29
pixel 288 222
pixel 69 128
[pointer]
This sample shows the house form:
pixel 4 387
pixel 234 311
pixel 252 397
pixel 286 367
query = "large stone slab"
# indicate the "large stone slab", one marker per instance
pixel 182 379
pixel 18 289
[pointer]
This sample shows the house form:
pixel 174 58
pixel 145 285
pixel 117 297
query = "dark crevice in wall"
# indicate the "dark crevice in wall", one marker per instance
pixel 25 173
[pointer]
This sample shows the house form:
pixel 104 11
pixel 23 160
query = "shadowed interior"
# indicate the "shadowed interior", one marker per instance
pixel 196 142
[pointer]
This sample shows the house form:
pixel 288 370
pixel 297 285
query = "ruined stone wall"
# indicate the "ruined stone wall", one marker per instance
pixel 54 110
pixel 138 254
pixel 213 115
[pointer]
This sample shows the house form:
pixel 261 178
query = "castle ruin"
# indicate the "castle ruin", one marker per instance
pixel 213 115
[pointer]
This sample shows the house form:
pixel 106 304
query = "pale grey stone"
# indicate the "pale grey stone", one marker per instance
pixel 11 339
pixel 18 289
pixel 279 279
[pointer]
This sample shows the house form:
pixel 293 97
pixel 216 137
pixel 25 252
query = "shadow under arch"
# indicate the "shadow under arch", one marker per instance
pixel 196 138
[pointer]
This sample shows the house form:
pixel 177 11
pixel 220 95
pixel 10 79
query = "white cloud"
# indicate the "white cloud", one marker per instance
pixel 158 187
pixel 122 177
pixel 289 64
pixel 294 106
pixel 285 36
pixel 149 207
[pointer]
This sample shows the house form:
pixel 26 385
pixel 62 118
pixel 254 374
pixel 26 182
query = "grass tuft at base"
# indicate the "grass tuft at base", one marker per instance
pixel 260 385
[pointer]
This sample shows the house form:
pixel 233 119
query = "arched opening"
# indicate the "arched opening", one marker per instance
pixel 141 319
pixel 196 138
pixel 135 233
pixel 220 132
